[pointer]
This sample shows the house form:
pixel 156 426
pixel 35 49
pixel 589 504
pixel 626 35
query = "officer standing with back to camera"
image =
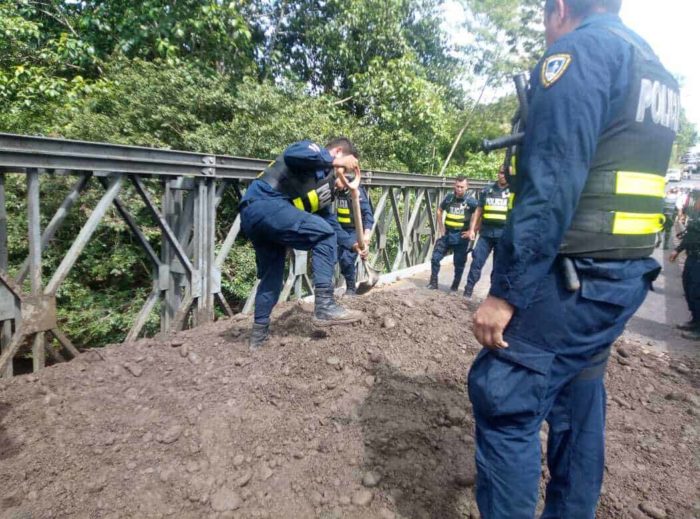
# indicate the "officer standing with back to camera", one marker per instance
pixel 289 205
pixel 690 243
pixel 603 115
pixel 488 220
pixel 346 218
pixel 457 208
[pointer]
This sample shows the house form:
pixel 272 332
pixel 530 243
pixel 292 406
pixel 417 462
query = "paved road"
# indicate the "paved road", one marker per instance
pixel 653 324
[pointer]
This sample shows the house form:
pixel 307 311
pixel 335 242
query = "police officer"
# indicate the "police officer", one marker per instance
pixel 488 219
pixel 457 208
pixel 690 243
pixel 289 205
pixel 589 188
pixel 348 256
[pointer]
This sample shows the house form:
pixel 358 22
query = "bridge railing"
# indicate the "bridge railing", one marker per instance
pixel 183 192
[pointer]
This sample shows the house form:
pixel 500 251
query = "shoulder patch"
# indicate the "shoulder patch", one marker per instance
pixel 553 67
pixel 314 147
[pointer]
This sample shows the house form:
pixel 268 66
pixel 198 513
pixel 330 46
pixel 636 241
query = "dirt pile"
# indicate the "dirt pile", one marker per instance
pixel 370 421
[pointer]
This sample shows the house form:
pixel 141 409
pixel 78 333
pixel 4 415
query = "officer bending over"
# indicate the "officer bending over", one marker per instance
pixel 346 218
pixel 457 208
pixel 589 190
pixel 690 243
pixel 289 205
pixel 488 220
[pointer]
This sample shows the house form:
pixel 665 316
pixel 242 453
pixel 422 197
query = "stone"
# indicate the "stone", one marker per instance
pixel 170 435
pixel 238 460
pixel 681 368
pixel 134 369
pixel 333 361
pixel 653 510
pixel 194 358
pixel 464 480
pixel 371 479
pixel 389 322
pixel 244 479
pixel 385 513
pixel 225 499
pixel 362 498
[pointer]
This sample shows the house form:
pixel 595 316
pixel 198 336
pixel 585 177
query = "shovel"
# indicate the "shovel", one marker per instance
pixel 367 276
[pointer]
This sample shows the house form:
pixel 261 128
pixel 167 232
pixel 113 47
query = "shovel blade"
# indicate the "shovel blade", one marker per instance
pixel 368 278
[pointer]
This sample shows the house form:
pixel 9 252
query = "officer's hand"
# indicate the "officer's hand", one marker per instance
pixel 673 256
pixel 349 162
pixel 490 320
pixel 364 253
pixel 325 195
pixel 472 235
pixel 366 236
pixel 464 235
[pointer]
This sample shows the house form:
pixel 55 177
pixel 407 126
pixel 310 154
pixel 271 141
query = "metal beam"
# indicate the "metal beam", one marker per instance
pixel 162 223
pixel 84 236
pixel 56 222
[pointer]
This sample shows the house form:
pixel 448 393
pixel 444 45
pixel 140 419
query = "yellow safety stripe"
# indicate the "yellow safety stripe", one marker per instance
pixel 344 220
pixel 494 216
pixel 642 184
pixel 299 204
pixel 637 223
pixel 454 224
pixel 455 216
pixel 313 198
pixel 343 210
pixel 497 208
pixel 511 200
pixel 308 203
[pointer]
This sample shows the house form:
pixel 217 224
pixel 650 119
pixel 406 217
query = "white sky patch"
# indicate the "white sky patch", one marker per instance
pixel 671 28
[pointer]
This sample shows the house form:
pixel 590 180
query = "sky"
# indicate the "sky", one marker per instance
pixel 671 27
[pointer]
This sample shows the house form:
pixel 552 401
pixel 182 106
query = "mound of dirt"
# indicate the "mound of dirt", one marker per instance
pixel 370 421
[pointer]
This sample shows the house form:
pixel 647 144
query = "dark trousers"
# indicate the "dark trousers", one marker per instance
pixel 481 253
pixel 460 246
pixel 273 225
pixel 346 260
pixel 552 370
pixel 691 286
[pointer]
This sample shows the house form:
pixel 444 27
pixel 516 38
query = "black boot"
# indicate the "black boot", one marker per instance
pixel 259 335
pixel 433 284
pixel 468 291
pixel 327 312
pixel 350 290
pixel 455 286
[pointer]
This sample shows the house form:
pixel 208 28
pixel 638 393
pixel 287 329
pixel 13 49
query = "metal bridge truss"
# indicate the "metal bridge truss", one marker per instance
pixel 187 267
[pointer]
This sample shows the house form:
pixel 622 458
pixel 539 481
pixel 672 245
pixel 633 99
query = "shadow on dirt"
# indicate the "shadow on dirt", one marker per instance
pixel 418 436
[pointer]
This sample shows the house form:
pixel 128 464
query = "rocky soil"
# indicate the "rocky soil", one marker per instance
pixel 370 421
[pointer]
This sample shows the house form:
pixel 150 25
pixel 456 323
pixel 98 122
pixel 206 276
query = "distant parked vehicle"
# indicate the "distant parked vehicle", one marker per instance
pixel 673 175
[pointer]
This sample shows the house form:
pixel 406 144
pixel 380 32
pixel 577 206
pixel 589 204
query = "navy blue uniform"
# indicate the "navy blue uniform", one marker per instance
pixel 690 243
pixel 491 230
pixel 347 257
pixel 273 223
pixel 559 340
pixel 452 240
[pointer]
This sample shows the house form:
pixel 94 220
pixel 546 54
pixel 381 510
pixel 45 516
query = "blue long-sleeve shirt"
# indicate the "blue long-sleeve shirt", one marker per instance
pixel 303 158
pixel 565 120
